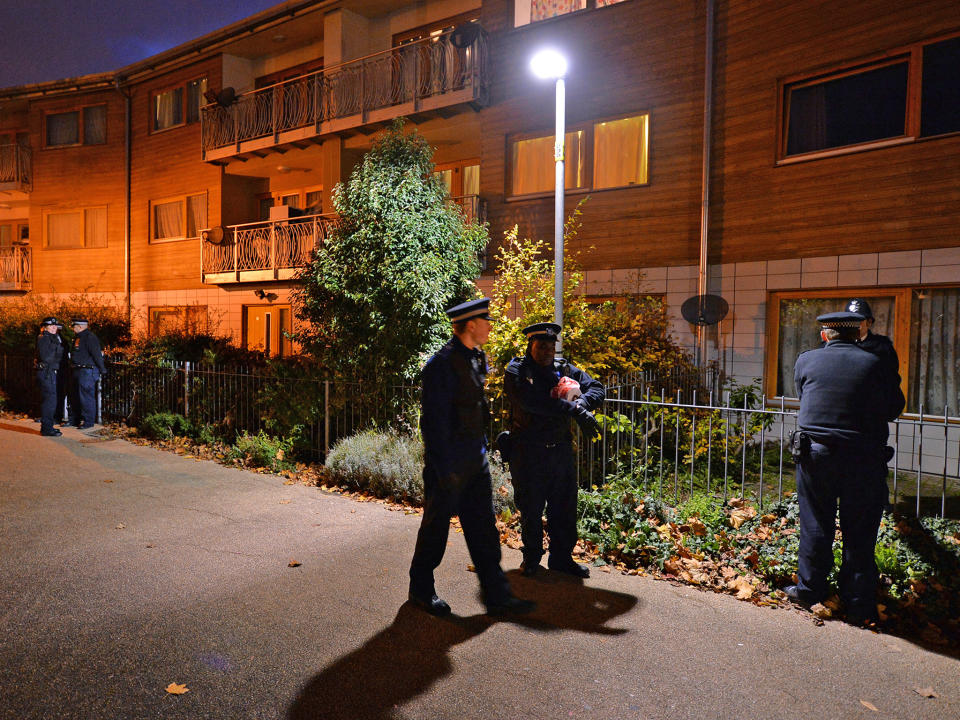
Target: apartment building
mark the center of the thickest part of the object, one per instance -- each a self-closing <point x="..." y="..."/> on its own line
<point x="782" y="157"/>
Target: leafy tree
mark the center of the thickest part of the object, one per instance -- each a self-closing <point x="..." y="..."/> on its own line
<point x="374" y="295"/>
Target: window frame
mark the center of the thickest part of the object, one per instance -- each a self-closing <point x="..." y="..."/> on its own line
<point x="45" y="245"/>
<point x="183" y="313"/>
<point x="151" y="219"/>
<point x="912" y="54"/>
<point x="589" y="149"/>
<point x="184" y="101"/>
<point x="590" y="6"/>
<point x="80" y="112"/>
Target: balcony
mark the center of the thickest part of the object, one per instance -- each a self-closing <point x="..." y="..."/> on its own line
<point x="425" y="77"/>
<point x="15" y="268"/>
<point x="262" y="251"/>
<point x="15" y="168"/>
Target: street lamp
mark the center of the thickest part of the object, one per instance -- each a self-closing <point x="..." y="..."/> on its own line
<point x="548" y="64"/>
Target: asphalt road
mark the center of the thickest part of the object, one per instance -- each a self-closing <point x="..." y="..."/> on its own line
<point x="124" y="569"/>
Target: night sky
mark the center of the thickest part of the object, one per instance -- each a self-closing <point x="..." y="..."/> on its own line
<point x="46" y="40"/>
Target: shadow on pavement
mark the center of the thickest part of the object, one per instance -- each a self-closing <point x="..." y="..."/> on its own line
<point x="406" y="658"/>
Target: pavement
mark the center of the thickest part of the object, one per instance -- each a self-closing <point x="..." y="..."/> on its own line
<point x="124" y="569"/>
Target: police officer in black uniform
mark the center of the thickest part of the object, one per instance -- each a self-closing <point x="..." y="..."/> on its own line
<point x="86" y="364"/>
<point x="49" y="352"/>
<point x="63" y="380"/>
<point x="545" y="392"/>
<point x="847" y="397"/>
<point x="456" y="476"/>
<point x="879" y="345"/>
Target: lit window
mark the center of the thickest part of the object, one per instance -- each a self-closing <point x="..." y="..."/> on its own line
<point x="178" y="105"/>
<point x="620" y="152"/>
<point x="179" y="219"/>
<point x="534" y="169"/>
<point x="528" y="11"/>
<point x="85" y="228"/>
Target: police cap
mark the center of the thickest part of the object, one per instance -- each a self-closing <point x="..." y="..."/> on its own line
<point x="470" y="310"/>
<point x="79" y="321"/>
<point x="49" y="321"/>
<point x="842" y="319"/>
<point x="859" y="305"/>
<point x="542" y="331"/>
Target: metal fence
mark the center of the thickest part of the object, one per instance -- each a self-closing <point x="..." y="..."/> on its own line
<point x="671" y="442"/>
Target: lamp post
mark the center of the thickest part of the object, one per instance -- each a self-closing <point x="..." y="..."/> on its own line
<point x="548" y="64"/>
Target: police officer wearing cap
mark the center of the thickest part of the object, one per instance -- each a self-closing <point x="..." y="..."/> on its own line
<point x="86" y="364"/>
<point x="879" y="345"/>
<point x="49" y="353"/>
<point x="545" y="392"/>
<point x="456" y="476"/>
<point x="847" y="398"/>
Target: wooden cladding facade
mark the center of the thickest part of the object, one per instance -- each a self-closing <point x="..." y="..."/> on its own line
<point x="648" y="57"/>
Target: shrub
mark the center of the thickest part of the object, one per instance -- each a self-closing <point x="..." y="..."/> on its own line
<point x="263" y="450"/>
<point x="165" y="425"/>
<point x="20" y="320"/>
<point x="384" y="464"/>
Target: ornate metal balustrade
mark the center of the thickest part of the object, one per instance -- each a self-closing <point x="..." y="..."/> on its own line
<point x="260" y="251"/>
<point x="419" y="77"/>
<point x="15" y="167"/>
<point x="16" y="268"/>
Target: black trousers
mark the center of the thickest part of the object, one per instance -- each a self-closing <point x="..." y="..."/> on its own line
<point x="855" y="482"/>
<point x="85" y="381"/>
<point x="545" y="478"/>
<point x="472" y="500"/>
<point x="47" y="380"/>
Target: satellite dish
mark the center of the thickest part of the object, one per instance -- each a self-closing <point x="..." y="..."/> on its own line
<point x="226" y="97"/>
<point x="210" y="96"/>
<point x="704" y="309"/>
<point x="214" y="236"/>
<point x="465" y="35"/>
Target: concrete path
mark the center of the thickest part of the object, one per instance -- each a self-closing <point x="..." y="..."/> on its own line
<point x="124" y="569"/>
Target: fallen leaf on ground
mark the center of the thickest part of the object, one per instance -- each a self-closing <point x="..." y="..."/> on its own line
<point x="107" y="480"/>
<point x="926" y="692"/>
<point x="175" y="689"/>
<point x="739" y="516"/>
<point x="294" y="563"/>
<point x="284" y="502"/>
<point x="869" y="705"/>
<point x="471" y="568"/>
<point x="821" y="611"/>
<point x="742" y="587"/>
<point x="120" y="526"/>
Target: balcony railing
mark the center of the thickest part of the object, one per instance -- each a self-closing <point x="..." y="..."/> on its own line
<point x="15" y="167"/>
<point x="16" y="270"/>
<point x="271" y="250"/>
<point x="426" y="75"/>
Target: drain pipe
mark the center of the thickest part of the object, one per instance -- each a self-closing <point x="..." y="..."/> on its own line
<point x="126" y="214"/>
<point x="700" y="346"/>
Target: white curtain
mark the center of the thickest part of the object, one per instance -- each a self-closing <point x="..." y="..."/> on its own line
<point x="65" y="230"/>
<point x="95" y="227"/>
<point x="620" y="152"/>
<point x="95" y="125"/>
<point x="168" y="220"/>
<point x="168" y="109"/>
<point x="935" y="352"/>
<point x="196" y="214"/>
<point x="63" y="129"/>
<point x="534" y="166"/>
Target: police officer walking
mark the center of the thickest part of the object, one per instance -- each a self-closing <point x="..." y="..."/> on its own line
<point x="49" y="352"/>
<point x="545" y="392"/>
<point x="456" y="476"/>
<point x="847" y="397"/>
<point x="86" y="364"/>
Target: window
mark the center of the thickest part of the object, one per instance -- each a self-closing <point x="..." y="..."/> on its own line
<point x="179" y="105"/>
<point x="528" y="11"/>
<point x="179" y="219"/>
<point x="604" y="154"/>
<point x="267" y="328"/>
<point x="171" y="320"/>
<point x="308" y="200"/>
<point x="921" y="322"/>
<point x="911" y="92"/>
<point x="77" y="127"/>
<point x="83" y="228"/>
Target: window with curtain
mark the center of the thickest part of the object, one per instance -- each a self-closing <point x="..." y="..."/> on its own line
<point x="65" y="230"/>
<point x="195" y="99"/>
<point x="196" y="214"/>
<point x="6" y="236"/>
<point x="934" y="379"/>
<point x="168" y="220"/>
<point x="620" y="152"/>
<point x="528" y="11"/>
<point x="532" y="165"/>
<point x="95" y="125"/>
<point x="95" y="227"/>
<point x="63" y="129"/>
<point x="168" y="109"/>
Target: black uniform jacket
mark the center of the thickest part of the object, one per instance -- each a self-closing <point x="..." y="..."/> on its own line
<point x="49" y="352"/>
<point x="454" y="416"/>
<point x="882" y="347"/>
<point x="846" y="396"/>
<point x="86" y="351"/>
<point x="535" y="415"/>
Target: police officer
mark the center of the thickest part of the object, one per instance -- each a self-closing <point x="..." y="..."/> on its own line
<point x="86" y="364"/>
<point x="63" y="380"/>
<point x="847" y="398"/>
<point x="49" y="352"/>
<point x="456" y="476"/>
<point x="879" y="345"/>
<point x="545" y="392"/>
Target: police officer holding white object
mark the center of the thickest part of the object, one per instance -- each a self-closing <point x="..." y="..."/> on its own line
<point x="456" y="476"/>
<point x="49" y="353"/>
<point x="86" y="363"/>
<point x="545" y="393"/>
<point x="847" y="397"/>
